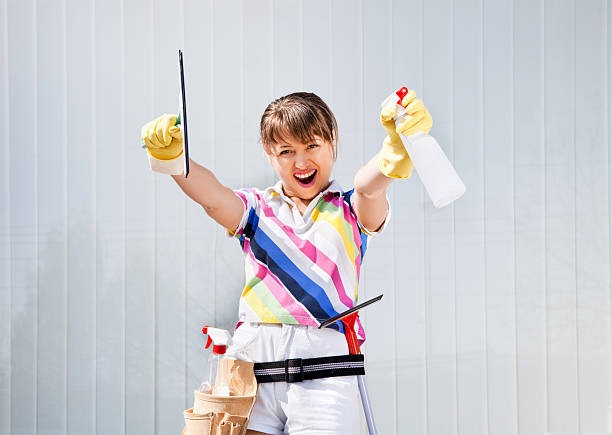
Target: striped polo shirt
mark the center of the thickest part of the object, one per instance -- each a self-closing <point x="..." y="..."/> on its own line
<point x="300" y="269"/>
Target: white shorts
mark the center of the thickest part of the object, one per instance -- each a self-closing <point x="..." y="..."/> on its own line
<point x="318" y="406"/>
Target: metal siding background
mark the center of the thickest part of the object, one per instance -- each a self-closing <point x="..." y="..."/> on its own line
<point x="139" y="340"/>
<point x="529" y="218"/>
<point x="379" y="266"/>
<point x="469" y="153"/>
<point x="81" y="208"/>
<point x="51" y="163"/>
<point x="5" y="247"/>
<point x="592" y="215"/>
<point x="439" y="231"/>
<point x="559" y="104"/>
<point x="23" y="207"/>
<point x="496" y="316"/>
<point x="408" y="204"/>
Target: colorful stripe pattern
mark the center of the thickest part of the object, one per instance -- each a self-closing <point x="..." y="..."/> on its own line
<point x="299" y="269"/>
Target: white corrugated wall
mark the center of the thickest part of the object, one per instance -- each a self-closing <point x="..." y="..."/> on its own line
<point x="496" y="317"/>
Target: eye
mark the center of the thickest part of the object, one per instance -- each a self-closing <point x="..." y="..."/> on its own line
<point x="285" y="152"/>
<point x="313" y="146"/>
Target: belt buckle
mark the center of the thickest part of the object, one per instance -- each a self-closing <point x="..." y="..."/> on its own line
<point x="295" y="362"/>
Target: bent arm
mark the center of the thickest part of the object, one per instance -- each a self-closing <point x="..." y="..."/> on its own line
<point x="370" y="200"/>
<point x="219" y="201"/>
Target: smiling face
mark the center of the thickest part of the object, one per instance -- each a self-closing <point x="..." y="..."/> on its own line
<point x="304" y="168"/>
<point x="300" y="135"/>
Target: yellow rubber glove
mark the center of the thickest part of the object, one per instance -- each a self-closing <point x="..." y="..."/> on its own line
<point x="163" y="138"/>
<point x="393" y="160"/>
<point x="417" y="117"/>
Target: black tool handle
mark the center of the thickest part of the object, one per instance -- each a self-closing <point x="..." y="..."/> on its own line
<point x="350" y="311"/>
<point x="184" y="113"/>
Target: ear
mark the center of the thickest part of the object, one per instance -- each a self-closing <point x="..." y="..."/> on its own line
<point x="335" y="145"/>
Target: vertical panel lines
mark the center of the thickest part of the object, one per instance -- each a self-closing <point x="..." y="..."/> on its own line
<point x="544" y="142"/>
<point x="242" y="92"/>
<point x="331" y="51"/>
<point x="390" y="46"/>
<point x="514" y="228"/>
<point x="301" y="43"/>
<point x="65" y="206"/>
<point x="185" y="240"/>
<point x="393" y="243"/>
<point x="362" y="279"/>
<point x="123" y="219"/>
<point x="213" y="147"/>
<point x="484" y="212"/>
<point x="242" y="89"/>
<point x="9" y="241"/>
<point x="393" y="232"/>
<point x="272" y="74"/>
<point x="271" y="46"/>
<point x="362" y="85"/>
<point x="9" y="228"/>
<point x="425" y="228"/>
<point x="184" y="199"/>
<point x="607" y="136"/>
<point x="153" y="17"/>
<point x="452" y="151"/>
<point x="36" y="208"/>
<point x="94" y="215"/>
<point x="574" y="141"/>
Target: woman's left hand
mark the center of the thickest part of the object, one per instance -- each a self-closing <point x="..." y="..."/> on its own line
<point x="417" y="119"/>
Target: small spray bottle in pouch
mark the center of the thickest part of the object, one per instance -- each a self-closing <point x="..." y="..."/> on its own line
<point x="215" y="382"/>
<point x="435" y="170"/>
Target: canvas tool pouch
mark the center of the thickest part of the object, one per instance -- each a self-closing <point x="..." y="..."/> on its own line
<point x="219" y="415"/>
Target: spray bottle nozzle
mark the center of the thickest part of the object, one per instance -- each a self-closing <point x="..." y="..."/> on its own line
<point x="401" y="93"/>
<point x="219" y="338"/>
<point x="209" y="340"/>
<point x="217" y="381"/>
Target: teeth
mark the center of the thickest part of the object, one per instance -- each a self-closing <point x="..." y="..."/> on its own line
<point x="302" y="176"/>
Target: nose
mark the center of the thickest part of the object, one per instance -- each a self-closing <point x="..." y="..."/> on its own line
<point x="301" y="160"/>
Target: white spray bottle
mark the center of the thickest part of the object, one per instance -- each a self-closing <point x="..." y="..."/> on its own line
<point x="435" y="170"/>
<point x="215" y="382"/>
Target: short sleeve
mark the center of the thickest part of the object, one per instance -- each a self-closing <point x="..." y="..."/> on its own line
<point x="248" y="223"/>
<point x="362" y="228"/>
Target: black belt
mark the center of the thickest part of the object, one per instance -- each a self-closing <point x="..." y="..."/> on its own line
<point x="298" y="369"/>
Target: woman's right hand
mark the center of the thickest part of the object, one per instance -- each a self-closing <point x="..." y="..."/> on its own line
<point x="393" y="160"/>
<point x="162" y="137"/>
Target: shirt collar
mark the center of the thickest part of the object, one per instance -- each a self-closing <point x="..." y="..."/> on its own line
<point x="334" y="186"/>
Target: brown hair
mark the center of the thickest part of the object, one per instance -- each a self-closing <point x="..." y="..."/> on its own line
<point x="301" y="116"/>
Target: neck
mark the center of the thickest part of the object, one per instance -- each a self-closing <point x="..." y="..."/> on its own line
<point x="301" y="203"/>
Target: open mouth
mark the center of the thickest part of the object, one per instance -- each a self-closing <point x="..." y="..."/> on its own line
<point x="306" y="178"/>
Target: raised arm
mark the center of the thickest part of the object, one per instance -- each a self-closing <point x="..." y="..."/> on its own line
<point x="370" y="200"/>
<point x="392" y="161"/>
<point x="164" y="142"/>
<point x="219" y="201"/>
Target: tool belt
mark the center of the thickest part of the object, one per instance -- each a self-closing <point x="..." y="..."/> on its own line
<point x="224" y="415"/>
<point x="302" y="369"/>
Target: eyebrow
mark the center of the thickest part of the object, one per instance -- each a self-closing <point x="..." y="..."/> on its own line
<point x="310" y="142"/>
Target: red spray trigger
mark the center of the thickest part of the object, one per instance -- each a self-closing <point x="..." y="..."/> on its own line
<point x="349" y="332"/>
<point x="209" y="341"/>
<point x="403" y="91"/>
